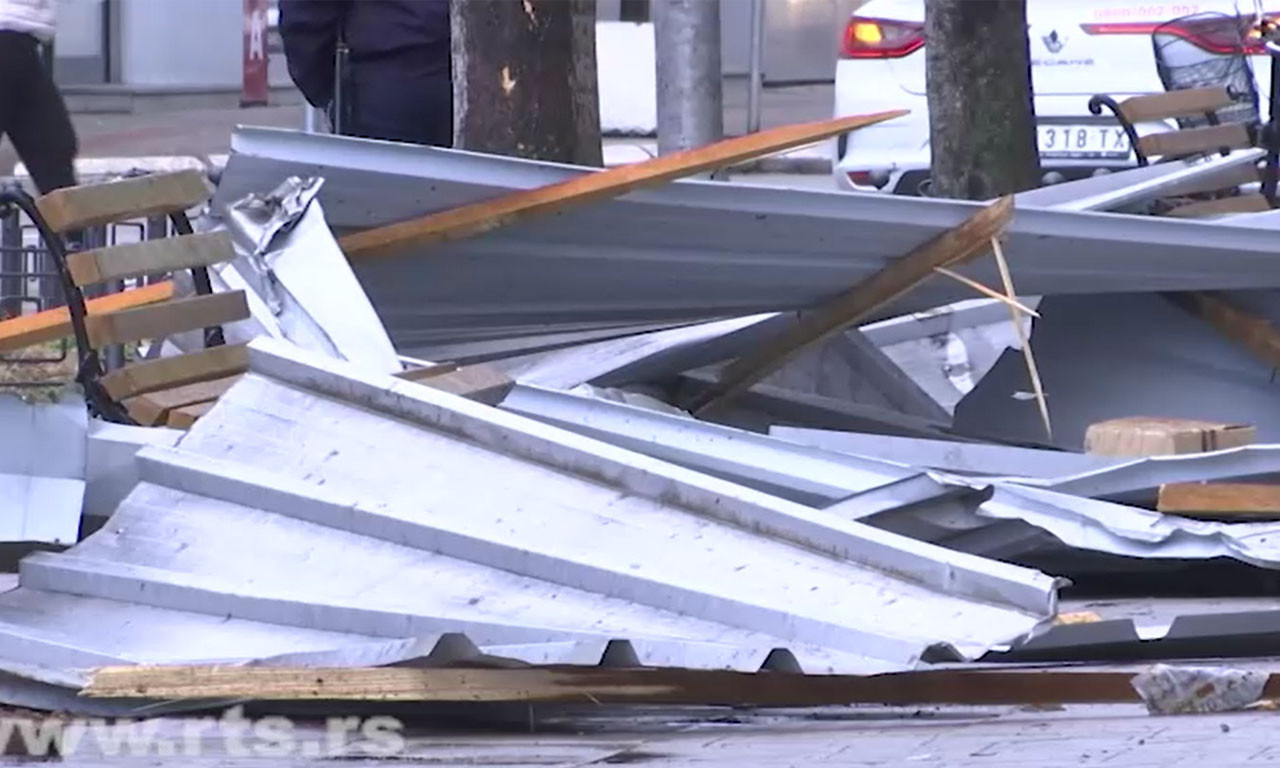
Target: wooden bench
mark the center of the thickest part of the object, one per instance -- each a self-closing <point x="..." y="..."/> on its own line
<point x="172" y="390"/>
<point x="1221" y="195"/>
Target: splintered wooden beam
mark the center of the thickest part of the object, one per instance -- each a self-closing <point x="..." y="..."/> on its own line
<point x="985" y="687"/>
<point x="168" y="372"/>
<point x="153" y="408"/>
<point x="951" y="248"/>
<point x="1220" y="500"/>
<point x="1252" y="332"/>
<point x="53" y="324"/>
<point x="477" y="218"/>
<point x="480" y="382"/>
<point x="90" y="205"/>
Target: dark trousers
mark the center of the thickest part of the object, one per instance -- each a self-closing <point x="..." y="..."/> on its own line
<point x="385" y="99"/>
<point x="33" y="115"/>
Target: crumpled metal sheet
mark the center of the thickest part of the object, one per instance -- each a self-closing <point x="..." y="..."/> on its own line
<point x="300" y="286"/>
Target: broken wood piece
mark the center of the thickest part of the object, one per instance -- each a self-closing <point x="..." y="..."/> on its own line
<point x="149" y="257"/>
<point x="158" y="321"/>
<point x="988" y="292"/>
<point x="427" y="372"/>
<point x="595" y="685"/>
<point x="90" y="205"/>
<point x="1147" y="436"/>
<point x="1252" y="203"/>
<point x="480" y="382"/>
<point x="1254" y="333"/>
<point x="1220" y="500"/>
<point x="153" y="408"/>
<point x="186" y="416"/>
<point x="487" y="215"/>
<point x="53" y="324"/>
<point x="898" y="277"/>
<point x="168" y="372"/>
<point x="1024" y="339"/>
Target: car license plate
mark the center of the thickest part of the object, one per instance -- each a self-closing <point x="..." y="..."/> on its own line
<point x="1108" y="141"/>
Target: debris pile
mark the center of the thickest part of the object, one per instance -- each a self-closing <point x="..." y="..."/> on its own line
<point x="472" y="411"/>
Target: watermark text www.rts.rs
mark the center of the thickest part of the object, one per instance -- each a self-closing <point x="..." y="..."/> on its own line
<point x="231" y="734"/>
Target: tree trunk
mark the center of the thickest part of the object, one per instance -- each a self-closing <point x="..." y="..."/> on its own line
<point x="981" y="116"/>
<point x="524" y="79"/>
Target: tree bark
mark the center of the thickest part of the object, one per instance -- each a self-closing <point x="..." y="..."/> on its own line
<point x="981" y="114"/>
<point x="524" y="79"/>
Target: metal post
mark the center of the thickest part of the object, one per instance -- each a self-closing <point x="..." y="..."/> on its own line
<point x="690" y="88"/>
<point x="12" y="262"/>
<point x="309" y="122"/>
<point x="755" y="68"/>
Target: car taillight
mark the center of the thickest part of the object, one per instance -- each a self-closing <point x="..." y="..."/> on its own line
<point x="868" y="38"/>
<point x="1221" y="34"/>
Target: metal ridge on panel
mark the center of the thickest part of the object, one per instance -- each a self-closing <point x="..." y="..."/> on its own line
<point x="957" y="574"/>
<point x="661" y="255"/>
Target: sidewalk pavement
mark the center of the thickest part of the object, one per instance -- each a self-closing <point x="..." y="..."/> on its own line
<point x="206" y="133"/>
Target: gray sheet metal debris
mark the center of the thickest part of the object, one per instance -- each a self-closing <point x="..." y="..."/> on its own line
<point x="1138" y="481"/>
<point x="1157" y="360"/>
<point x="662" y="254"/>
<point x="1116" y="190"/>
<point x="42" y="469"/>
<point x="323" y="515"/>
<point x="949" y="455"/>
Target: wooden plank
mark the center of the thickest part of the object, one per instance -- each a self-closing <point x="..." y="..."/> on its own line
<point x="168" y="372"/>
<point x="654" y="686"/>
<point x="1191" y="141"/>
<point x="153" y="408"/>
<point x="150" y="257"/>
<point x="54" y="324"/>
<point x="1220" y="500"/>
<point x="168" y="318"/>
<point x="1254" y="203"/>
<point x="1186" y="103"/>
<point x="951" y="248"/>
<point x="1149" y="436"/>
<point x="1252" y="332"/>
<point x="1227" y="178"/>
<point x="186" y="416"/>
<point x="90" y="205"/>
<point x="482" y="383"/>
<point x="983" y="687"/>
<point x="474" y="219"/>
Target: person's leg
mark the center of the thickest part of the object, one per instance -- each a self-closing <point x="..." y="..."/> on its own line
<point x="37" y="120"/>
<point x="393" y="104"/>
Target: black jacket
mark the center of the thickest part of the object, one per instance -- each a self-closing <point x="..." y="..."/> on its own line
<point x="413" y="32"/>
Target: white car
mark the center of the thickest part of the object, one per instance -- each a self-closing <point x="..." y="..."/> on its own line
<point x="1079" y="48"/>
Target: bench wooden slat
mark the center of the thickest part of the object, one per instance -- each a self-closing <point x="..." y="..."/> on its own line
<point x="168" y="372"/>
<point x="150" y="257"/>
<point x="53" y="324"/>
<point x="168" y="318"/>
<point x="1192" y="140"/>
<point x="90" y="205"/>
<point x="1186" y="103"/>
<point x="1239" y="204"/>
<point x="153" y="408"/>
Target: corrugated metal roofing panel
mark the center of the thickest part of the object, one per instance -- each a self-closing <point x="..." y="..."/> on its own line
<point x="700" y="249"/>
